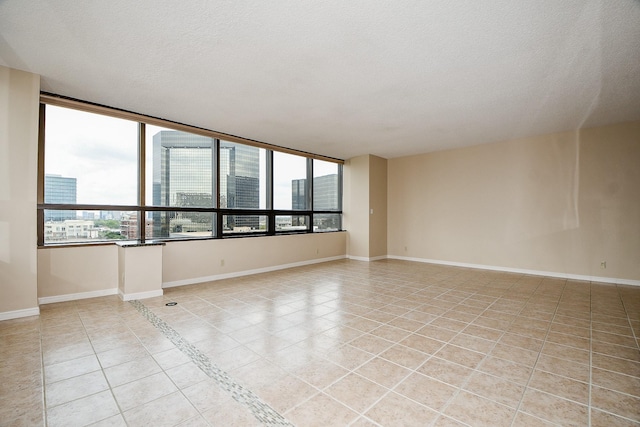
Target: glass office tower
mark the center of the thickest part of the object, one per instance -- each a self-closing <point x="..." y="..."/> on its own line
<point x="60" y="190"/>
<point x="183" y="176"/>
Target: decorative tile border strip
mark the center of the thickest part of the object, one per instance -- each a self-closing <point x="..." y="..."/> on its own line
<point x="261" y="410"/>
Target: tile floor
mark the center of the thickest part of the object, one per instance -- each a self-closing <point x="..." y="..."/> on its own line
<point x="343" y="343"/>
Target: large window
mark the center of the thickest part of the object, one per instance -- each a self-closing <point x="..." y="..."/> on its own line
<point x="107" y="179"/>
<point x="327" y="196"/>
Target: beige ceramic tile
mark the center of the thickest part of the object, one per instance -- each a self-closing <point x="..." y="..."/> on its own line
<point x="144" y="390"/>
<point x="444" y="421"/>
<point x="73" y="388"/>
<point x="186" y="375"/>
<point x="565" y="352"/>
<point x="615" y="381"/>
<point x="70" y="368"/>
<point x="405" y="356"/>
<point x="615" y="403"/>
<point x="416" y="384"/>
<point x="371" y="343"/>
<point x="554" y="409"/>
<point x="526" y="420"/>
<point x="395" y="410"/>
<point x="495" y="388"/>
<point x="83" y="411"/>
<point x="320" y="373"/>
<point x="423" y="344"/>
<point x="383" y="372"/>
<point x="445" y="371"/>
<point x="604" y="419"/>
<point x="320" y="411"/>
<point x="481" y="332"/>
<point x="285" y="392"/>
<point x="247" y="326"/>
<point x="560" y="386"/>
<point x="115" y="421"/>
<point x="473" y="343"/>
<point x="131" y="371"/>
<point x="356" y="392"/>
<point x="437" y="333"/>
<point x="122" y="355"/>
<point x="478" y="411"/>
<point x="506" y="369"/>
<point x="622" y="366"/>
<point x="616" y="350"/>
<point x="470" y="359"/>
<point x="171" y="409"/>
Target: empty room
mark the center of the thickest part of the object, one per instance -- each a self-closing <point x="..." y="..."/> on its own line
<point x="320" y="213"/>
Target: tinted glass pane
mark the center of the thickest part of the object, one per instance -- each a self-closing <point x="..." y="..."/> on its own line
<point x="244" y="224"/>
<point x="89" y="226"/>
<point x="242" y="176"/>
<point x="325" y="186"/>
<point x="179" y="168"/>
<point x="180" y="225"/>
<point x="327" y="222"/>
<point x="90" y="158"/>
<point x="292" y="222"/>
<point x="289" y="181"/>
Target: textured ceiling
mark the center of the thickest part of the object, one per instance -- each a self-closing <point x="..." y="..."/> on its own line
<point x="337" y="78"/>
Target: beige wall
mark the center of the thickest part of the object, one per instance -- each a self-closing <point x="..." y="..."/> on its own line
<point x="77" y="270"/>
<point x="194" y="261"/>
<point x="139" y="271"/>
<point x="558" y="203"/>
<point x="356" y="206"/>
<point x="365" y="189"/>
<point x="19" y="97"/>
<point x="377" y="202"/>
<point x="65" y="271"/>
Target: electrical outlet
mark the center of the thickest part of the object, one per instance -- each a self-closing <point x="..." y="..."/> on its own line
<point x="603" y="264"/>
<point x="222" y="263"/>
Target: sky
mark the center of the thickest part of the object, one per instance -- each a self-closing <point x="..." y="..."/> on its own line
<point x="101" y="153"/>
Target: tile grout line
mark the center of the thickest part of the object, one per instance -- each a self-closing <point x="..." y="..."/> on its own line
<point x="42" y="374"/>
<point x="261" y="410"/>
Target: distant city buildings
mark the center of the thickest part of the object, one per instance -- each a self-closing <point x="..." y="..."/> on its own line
<point x="129" y="226"/>
<point x="59" y="190"/>
<point x="70" y="229"/>
<point x="182" y="177"/>
<point x="325" y="198"/>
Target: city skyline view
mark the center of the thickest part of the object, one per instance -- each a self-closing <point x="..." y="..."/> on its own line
<point x="105" y="162"/>
<point x="93" y="159"/>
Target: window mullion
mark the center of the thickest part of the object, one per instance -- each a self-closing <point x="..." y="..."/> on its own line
<point x="142" y="231"/>
<point x="217" y="225"/>
<point x="271" y="217"/>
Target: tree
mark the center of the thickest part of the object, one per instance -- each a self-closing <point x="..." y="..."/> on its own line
<point x="112" y="235"/>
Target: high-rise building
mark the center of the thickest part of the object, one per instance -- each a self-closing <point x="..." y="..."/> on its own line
<point x="325" y="192"/>
<point x="298" y="194"/>
<point x="239" y="183"/>
<point x="183" y="177"/>
<point x="59" y="189"/>
<point x="325" y="198"/>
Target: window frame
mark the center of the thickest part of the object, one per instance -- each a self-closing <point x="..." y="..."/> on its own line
<point x="142" y="208"/>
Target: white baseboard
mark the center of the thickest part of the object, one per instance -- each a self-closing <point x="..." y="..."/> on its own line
<point x="367" y="259"/>
<point x="80" y="295"/>
<point x="16" y="314"/>
<point x="196" y="280"/>
<point x="523" y="271"/>
<point x="140" y="295"/>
